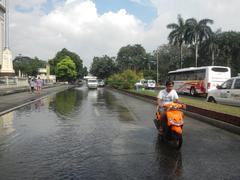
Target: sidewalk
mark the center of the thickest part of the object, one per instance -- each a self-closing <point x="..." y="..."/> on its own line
<point x="11" y="99"/>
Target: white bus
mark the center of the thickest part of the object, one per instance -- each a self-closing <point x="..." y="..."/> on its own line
<point x="199" y="80"/>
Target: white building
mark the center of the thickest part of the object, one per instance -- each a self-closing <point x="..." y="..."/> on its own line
<point x="44" y="74"/>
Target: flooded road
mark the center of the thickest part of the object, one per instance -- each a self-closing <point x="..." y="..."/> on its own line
<point x="100" y="134"/>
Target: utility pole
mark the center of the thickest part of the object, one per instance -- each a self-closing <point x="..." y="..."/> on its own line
<point x="157" y="66"/>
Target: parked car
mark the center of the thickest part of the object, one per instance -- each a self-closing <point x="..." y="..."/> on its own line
<point x="92" y="83"/>
<point x="101" y="83"/>
<point x="150" y="84"/>
<point x="227" y="93"/>
<point x="140" y="84"/>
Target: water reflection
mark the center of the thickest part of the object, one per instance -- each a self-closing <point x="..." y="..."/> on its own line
<point x="169" y="159"/>
<point x="116" y="105"/>
<point x="66" y="102"/>
<point x="6" y="124"/>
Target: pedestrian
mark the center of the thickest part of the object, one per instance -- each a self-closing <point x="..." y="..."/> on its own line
<point x="38" y="85"/>
<point x="32" y="85"/>
<point x="29" y="84"/>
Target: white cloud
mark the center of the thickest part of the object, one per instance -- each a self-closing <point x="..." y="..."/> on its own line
<point x="77" y="26"/>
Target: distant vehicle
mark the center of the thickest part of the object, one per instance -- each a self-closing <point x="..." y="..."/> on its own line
<point x="101" y="83"/>
<point x="227" y="93"/>
<point x="149" y="84"/>
<point x="199" y="80"/>
<point x="92" y="83"/>
<point x="140" y="84"/>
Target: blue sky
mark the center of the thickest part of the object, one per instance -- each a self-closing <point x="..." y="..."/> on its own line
<point x="144" y="11"/>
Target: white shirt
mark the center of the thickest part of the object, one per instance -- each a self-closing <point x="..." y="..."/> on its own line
<point x="167" y="97"/>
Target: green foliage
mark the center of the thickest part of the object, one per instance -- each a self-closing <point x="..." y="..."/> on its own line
<point x="66" y="70"/>
<point x="28" y="66"/>
<point x="125" y="80"/>
<point x="168" y="57"/>
<point x="65" y="102"/>
<point x="103" y="67"/>
<point x="76" y="59"/>
<point x="131" y="57"/>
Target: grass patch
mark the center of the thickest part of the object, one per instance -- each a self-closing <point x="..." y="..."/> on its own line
<point x="231" y="110"/>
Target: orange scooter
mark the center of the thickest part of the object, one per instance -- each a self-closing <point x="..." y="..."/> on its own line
<point x="172" y="123"/>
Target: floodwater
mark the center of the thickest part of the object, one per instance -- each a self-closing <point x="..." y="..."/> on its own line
<point x="100" y="134"/>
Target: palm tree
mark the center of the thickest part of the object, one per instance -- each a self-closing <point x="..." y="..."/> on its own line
<point x="213" y="45"/>
<point x="176" y="36"/>
<point x="196" y="32"/>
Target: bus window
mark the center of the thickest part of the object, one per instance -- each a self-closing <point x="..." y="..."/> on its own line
<point x="191" y="76"/>
<point x="219" y="69"/>
<point x="200" y="74"/>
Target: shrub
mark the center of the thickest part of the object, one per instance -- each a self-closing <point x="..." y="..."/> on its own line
<point x="125" y="80"/>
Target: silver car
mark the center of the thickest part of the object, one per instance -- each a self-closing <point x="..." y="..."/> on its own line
<point x="227" y="93"/>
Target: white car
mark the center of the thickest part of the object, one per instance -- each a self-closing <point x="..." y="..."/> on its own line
<point x="150" y="84"/>
<point x="101" y="83"/>
<point x="92" y="83"/>
<point x="140" y="84"/>
<point x="227" y="93"/>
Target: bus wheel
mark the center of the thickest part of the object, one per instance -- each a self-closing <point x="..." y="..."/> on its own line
<point x="193" y="91"/>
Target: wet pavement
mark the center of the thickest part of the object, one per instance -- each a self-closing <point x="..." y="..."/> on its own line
<point x="100" y="134"/>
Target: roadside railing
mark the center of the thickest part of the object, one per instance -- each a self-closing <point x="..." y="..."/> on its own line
<point x="11" y="82"/>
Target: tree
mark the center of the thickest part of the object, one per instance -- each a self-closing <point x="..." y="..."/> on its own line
<point x="66" y="70"/>
<point x="76" y="59"/>
<point x="177" y="35"/>
<point x="131" y="57"/>
<point x="196" y="32"/>
<point x="229" y="51"/>
<point x="28" y="66"/>
<point x="125" y="79"/>
<point x="209" y="49"/>
<point x="103" y="67"/>
<point x="168" y="56"/>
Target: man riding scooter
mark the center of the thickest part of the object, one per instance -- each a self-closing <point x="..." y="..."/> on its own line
<point x="165" y="96"/>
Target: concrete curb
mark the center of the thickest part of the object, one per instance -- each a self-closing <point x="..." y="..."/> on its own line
<point x="216" y="122"/>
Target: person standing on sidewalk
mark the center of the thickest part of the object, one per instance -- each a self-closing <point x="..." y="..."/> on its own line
<point x="32" y="85"/>
<point x="29" y="84"/>
<point x="39" y="85"/>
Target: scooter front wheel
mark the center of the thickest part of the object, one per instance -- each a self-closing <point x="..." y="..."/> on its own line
<point x="179" y="141"/>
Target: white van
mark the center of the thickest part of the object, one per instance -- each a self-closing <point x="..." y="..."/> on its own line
<point x="227" y="93"/>
<point x="92" y="83"/>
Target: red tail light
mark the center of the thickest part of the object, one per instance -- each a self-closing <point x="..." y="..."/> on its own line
<point x="208" y="85"/>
